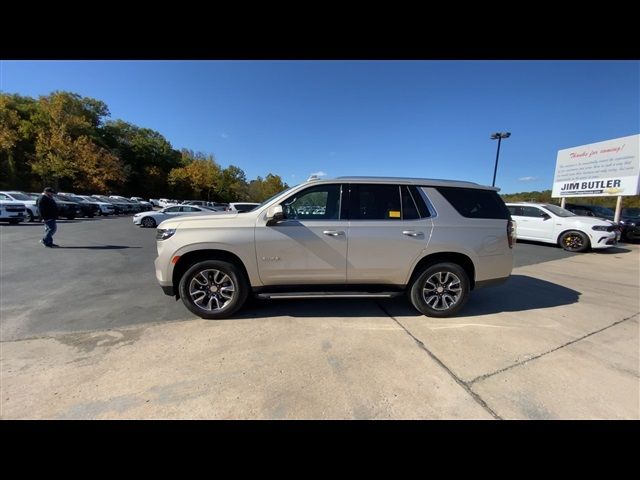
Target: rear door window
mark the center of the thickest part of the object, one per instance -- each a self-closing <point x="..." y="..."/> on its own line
<point x="375" y="202"/>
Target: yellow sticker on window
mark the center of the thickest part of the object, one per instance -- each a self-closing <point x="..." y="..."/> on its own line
<point x="394" y="214"/>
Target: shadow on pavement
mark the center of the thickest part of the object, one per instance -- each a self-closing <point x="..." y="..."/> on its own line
<point x="100" y="247"/>
<point x="609" y="251"/>
<point x="518" y="294"/>
<point x="301" y="308"/>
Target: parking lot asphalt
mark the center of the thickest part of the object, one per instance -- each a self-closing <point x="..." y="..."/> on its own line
<point x="87" y="333"/>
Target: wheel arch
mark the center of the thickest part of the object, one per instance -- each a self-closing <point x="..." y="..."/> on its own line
<point x="454" y="257"/>
<point x="571" y="230"/>
<point x="190" y="258"/>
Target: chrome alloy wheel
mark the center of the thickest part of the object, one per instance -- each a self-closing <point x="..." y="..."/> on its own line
<point x="442" y="290"/>
<point x="211" y="290"/>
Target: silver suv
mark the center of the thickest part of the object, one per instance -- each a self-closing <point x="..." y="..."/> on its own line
<point x="434" y="240"/>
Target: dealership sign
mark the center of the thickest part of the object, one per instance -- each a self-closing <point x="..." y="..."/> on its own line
<point x="602" y="169"/>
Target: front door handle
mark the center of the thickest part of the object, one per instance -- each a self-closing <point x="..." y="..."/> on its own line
<point x="333" y="233"/>
<point x="411" y="233"/>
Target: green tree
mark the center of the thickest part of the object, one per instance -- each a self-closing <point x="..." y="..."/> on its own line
<point x="261" y="189"/>
<point x="147" y="155"/>
<point x="272" y="185"/>
<point x="18" y="134"/>
<point x="232" y="185"/>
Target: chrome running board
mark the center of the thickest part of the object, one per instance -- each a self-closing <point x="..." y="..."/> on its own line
<point x="328" y="295"/>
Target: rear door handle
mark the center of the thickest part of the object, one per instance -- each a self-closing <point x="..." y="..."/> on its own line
<point x="333" y="233"/>
<point x="411" y="233"/>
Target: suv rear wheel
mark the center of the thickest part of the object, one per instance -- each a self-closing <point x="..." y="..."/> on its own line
<point x="213" y="289"/>
<point x="441" y="290"/>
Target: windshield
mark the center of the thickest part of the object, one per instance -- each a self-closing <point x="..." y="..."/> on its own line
<point x="271" y="198"/>
<point x="560" y="212"/>
<point x="632" y="212"/>
<point x="20" y="196"/>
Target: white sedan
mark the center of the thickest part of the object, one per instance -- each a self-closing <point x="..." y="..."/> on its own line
<point x="153" y="219"/>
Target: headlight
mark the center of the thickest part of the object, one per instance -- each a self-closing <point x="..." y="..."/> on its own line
<point x="600" y="228"/>
<point x="164" y="233"/>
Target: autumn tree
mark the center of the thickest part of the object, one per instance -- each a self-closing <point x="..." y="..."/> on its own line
<point x="66" y="140"/>
<point x="66" y="126"/>
<point x="9" y="136"/>
<point x="198" y="177"/>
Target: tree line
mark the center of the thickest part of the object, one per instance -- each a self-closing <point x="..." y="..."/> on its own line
<point x="66" y="141"/>
<point x="545" y="197"/>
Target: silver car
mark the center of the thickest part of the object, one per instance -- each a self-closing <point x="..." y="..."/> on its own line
<point x="434" y="240"/>
<point x="154" y="218"/>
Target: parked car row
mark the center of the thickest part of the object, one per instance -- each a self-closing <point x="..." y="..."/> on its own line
<point x="12" y="211"/>
<point x="153" y="219"/>
<point x="69" y="205"/>
<point x="629" y="224"/>
<point x="190" y="207"/>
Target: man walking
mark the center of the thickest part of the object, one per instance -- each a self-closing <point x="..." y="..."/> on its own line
<point x="48" y="213"/>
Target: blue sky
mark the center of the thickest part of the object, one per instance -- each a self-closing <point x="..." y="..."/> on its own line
<point x="393" y="118"/>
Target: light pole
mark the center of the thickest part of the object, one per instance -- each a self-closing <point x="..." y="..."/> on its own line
<point x="499" y="136"/>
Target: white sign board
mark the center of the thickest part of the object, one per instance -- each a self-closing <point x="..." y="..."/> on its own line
<point x="602" y="169"/>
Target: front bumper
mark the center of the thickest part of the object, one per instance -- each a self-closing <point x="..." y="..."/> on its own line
<point x="604" y="239"/>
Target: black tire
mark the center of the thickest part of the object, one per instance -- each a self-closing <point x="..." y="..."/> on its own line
<point x="441" y="290"/>
<point x="574" y="241"/>
<point x="29" y="217"/>
<point x="148" y="222"/>
<point x="228" y="276"/>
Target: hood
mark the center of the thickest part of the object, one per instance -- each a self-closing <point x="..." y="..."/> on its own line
<point x="200" y="220"/>
<point x="591" y="221"/>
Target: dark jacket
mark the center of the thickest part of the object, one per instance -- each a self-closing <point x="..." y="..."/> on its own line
<point x="48" y="208"/>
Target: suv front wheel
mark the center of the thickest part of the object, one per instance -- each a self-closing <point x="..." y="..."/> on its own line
<point x="213" y="289"/>
<point x="441" y="290"/>
<point x="574" y="241"/>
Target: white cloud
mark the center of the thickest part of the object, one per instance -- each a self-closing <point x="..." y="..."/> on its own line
<point x="319" y="174"/>
<point x="527" y="179"/>
<point x="224" y="135"/>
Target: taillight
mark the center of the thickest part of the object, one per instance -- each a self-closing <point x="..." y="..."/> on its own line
<point x="511" y="233"/>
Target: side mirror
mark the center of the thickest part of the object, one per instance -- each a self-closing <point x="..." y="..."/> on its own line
<point x="546" y="216"/>
<point x="274" y="215"/>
